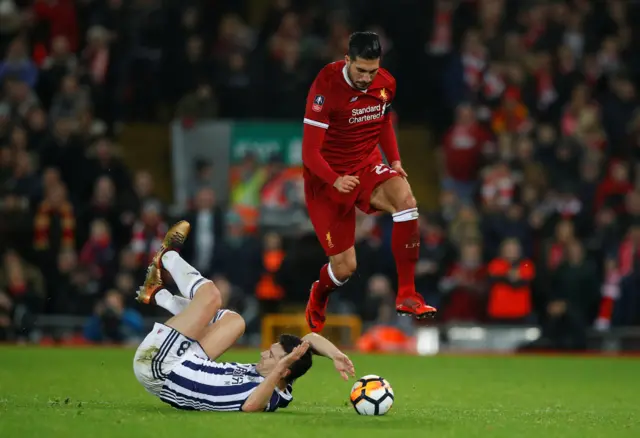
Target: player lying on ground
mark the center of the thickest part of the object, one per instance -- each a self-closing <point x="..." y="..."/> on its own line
<point x="346" y="117"/>
<point x="176" y="361"/>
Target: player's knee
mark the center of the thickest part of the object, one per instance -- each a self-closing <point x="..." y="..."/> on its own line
<point x="405" y="201"/>
<point x="344" y="268"/>
<point x="236" y="322"/>
<point x="209" y="295"/>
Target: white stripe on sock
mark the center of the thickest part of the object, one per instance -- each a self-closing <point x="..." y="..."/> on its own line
<point x="186" y="277"/>
<point x="410" y="214"/>
<point x="333" y="277"/>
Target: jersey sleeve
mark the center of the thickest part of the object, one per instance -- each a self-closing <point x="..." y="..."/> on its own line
<point x="319" y="103"/>
<point x="316" y="122"/>
<point x="280" y="399"/>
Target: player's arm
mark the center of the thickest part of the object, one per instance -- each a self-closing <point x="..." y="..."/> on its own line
<point x="316" y="123"/>
<point x="312" y="139"/>
<point x="260" y="397"/>
<point x="389" y="142"/>
<point x="323" y="347"/>
<point x="258" y="400"/>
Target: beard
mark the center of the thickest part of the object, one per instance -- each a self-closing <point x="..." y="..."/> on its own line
<point x="360" y="85"/>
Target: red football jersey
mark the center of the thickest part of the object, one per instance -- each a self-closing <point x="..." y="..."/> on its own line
<point x="353" y="118"/>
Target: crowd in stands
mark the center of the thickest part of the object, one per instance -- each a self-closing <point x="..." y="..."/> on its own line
<point x="533" y="103"/>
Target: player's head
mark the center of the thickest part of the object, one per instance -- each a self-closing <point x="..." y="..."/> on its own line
<point x="363" y="60"/>
<point x="285" y="345"/>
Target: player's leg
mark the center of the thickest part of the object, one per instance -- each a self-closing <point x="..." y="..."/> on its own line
<point x="223" y="331"/>
<point x="202" y="308"/>
<point x="205" y="297"/>
<point x="222" y="334"/>
<point x="334" y="225"/>
<point x="174" y="304"/>
<point x="333" y="274"/>
<point x="394" y="196"/>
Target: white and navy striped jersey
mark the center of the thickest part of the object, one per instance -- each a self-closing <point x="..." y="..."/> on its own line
<point x="204" y="385"/>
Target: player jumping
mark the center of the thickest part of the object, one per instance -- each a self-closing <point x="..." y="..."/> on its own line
<point x="176" y="361"/>
<point x="346" y="117"/>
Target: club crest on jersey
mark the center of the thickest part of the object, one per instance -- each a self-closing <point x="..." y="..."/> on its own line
<point x="383" y="95"/>
<point x="318" y="103"/>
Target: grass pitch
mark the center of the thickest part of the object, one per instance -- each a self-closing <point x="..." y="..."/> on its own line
<point x="86" y="393"/>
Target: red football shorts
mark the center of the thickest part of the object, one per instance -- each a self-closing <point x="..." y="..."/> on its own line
<point x="333" y="214"/>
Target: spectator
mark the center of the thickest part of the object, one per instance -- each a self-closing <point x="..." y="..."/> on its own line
<point x="25" y="289"/>
<point x="105" y="161"/>
<point x="55" y="221"/>
<point x="510" y="276"/>
<point x="60" y="63"/>
<point x="204" y="175"/>
<point x="148" y="232"/>
<point x="465" y="286"/>
<point x="613" y="188"/>
<point x="464" y="146"/>
<point x="466" y="226"/>
<point x="207" y="226"/>
<point x="238" y="245"/>
<point x="61" y="20"/>
<point x="17" y="64"/>
<point x="112" y="322"/>
<point x="571" y="300"/>
<point x="98" y="252"/>
<point x="70" y="100"/>
<point x="269" y="293"/>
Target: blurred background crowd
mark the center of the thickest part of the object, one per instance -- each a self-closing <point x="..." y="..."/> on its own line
<point x="533" y="104"/>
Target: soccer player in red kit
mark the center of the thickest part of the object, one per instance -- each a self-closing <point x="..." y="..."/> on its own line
<point x="346" y="118"/>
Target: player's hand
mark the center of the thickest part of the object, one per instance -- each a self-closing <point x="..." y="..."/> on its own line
<point x="397" y="166"/>
<point x="295" y="354"/>
<point x="345" y="184"/>
<point x="344" y="366"/>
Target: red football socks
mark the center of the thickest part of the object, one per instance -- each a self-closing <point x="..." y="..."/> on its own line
<point x="327" y="284"/>
<point x="405" y="245"/>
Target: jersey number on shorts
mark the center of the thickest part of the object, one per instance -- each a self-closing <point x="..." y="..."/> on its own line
<point x="382" y="168"/>
<point x="184" y="346"/>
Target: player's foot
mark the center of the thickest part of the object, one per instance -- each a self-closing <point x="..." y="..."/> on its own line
<point x="316" y="309"/>
<point x="415" y="306"/>
<point x="152" y="285"/>
<point x="173" y="241"/>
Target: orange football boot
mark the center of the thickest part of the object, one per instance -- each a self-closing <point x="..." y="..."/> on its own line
<point x="152" y="284"/>
<point x="173" y="241"/>
<point x="415" y="306"/>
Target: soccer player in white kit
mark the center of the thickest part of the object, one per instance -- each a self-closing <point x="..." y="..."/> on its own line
<point x="176" y="361"/>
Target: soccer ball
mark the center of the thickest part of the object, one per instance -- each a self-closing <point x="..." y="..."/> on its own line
<point x="372" y="395"/>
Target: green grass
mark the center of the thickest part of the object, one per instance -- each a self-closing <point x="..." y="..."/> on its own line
<point x="93" y="393"/>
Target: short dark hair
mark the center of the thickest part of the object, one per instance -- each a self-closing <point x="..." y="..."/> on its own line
<point x="302" y="365"/>
<point x="365" y="45"/>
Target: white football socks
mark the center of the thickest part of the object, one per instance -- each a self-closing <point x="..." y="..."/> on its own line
<point x="173" y="303"/>
<point x="187" y="278"/>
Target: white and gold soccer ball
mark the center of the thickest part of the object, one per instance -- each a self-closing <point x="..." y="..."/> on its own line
<point x="372" y="395"/>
